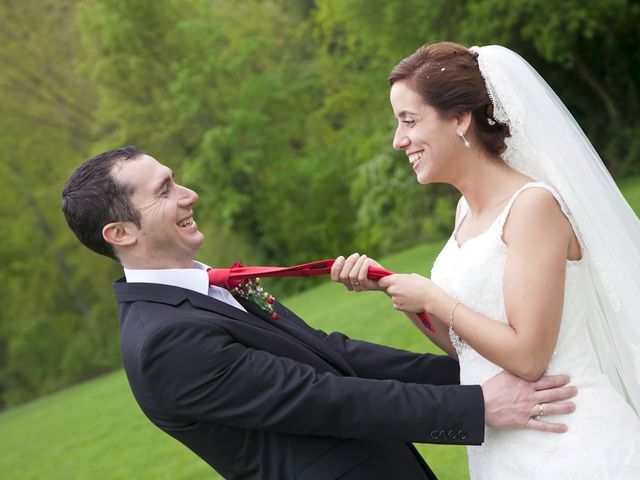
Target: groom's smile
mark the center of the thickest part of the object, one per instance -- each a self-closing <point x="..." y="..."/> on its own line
<point x="168" y="234"/>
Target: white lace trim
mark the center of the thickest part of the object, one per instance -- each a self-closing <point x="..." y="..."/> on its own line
<point x="508" y="110"/>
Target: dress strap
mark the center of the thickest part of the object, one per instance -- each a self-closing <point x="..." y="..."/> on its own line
<point x="505" y="214"/>
<point x="461" y="213"/>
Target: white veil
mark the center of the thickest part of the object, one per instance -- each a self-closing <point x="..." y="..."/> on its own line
<point x="548" y="145"/>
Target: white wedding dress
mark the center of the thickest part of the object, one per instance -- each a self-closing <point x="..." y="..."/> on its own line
<point x="603" y="440"/>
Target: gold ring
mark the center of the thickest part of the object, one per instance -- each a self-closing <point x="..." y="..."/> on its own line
<point x="540" y="410"/>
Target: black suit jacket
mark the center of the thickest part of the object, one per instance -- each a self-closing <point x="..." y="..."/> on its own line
<point x="258" y="398"/>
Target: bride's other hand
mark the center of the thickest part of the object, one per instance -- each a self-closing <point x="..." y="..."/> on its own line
<point x="352" y="272"/>
<point x="413" y="293"/>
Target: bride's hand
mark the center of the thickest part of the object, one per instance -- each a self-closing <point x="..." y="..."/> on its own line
<point x="412" y="292"/>
<point x="352" y="272"/>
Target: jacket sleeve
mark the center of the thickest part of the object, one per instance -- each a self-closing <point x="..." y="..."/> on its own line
<point x="372" y="360"/>
<point x="200" y="372"/>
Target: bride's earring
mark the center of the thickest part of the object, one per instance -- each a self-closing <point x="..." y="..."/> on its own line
<point x="466" y="142"/>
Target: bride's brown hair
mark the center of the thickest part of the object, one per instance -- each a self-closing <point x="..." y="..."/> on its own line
<point x="446" y="75"/>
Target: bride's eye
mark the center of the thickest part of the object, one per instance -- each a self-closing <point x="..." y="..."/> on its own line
<point x="409" y="122"/>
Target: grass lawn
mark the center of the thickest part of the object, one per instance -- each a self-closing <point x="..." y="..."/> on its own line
<point x="96" y="431"/>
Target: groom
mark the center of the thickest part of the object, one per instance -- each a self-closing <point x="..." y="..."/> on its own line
<point x="263" y="398"/>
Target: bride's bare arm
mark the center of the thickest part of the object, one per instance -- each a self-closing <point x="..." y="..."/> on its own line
<point x="540" y="239"/>
<point x="441" y="335"/>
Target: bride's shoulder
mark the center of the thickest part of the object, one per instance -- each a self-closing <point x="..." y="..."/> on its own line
<point x="536" y="200"/>
<point x="539" y="193"/>
<point x="536" y="205"/>
<point x="538" y="217"/>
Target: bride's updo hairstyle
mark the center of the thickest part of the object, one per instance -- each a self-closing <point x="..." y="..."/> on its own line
<point x="446" y="75"/>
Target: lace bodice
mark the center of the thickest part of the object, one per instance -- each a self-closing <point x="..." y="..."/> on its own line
<point x="473" y="274"/>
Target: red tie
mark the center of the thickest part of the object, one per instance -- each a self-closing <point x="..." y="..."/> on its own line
<point x="231" y="277"/>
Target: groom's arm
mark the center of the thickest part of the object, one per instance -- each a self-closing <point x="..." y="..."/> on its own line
<point x="371" y="360"/>
<point x="509" y="401"/>
<point x="198" y="371"/>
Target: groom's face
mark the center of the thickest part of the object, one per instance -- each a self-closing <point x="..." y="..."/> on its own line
<point x="168" y="236"/>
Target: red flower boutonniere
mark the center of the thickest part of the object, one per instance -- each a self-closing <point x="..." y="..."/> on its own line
<point x="253" y="291"/>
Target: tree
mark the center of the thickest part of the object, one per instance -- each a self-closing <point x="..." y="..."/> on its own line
<point x="275" y="111"/>
<point x="50" y="308"/>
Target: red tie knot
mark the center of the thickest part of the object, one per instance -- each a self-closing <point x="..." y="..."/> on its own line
<point x="220" y="276"/>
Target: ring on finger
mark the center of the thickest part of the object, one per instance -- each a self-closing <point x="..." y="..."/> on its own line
<point x="541" y="410"/>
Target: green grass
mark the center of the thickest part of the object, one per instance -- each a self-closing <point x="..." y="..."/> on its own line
<point x="96" y="431"/>
<point x="90" y="431"/>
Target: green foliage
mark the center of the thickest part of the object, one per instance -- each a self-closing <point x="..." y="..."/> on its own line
<point x="388" y="197"/>
<point x="275" y="111"/>
<point x="50" y="300"/>
<point x="631" y="190"/>
<point x="586" y="51"/>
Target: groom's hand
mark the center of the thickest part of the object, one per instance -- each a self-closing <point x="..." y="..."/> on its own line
<point x="511" y="402"/>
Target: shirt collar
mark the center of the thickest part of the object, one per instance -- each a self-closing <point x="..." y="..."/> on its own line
<point x="195" y="279"/>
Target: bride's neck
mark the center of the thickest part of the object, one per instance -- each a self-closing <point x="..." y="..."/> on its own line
<point x="488" y="183"/>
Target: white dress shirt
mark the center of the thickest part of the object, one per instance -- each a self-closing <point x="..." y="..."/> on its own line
<point x="195" y="279"/>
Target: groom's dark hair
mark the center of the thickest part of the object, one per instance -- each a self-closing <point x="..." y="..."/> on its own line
<point x="92" y="198"/>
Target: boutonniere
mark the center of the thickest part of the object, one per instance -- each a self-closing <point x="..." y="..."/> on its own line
<point x="252" y="290"/>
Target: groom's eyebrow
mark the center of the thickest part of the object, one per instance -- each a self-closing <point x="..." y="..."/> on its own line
<point x="162" y="182"/>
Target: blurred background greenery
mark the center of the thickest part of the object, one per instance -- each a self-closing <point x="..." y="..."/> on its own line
<point x="275" y="111"/>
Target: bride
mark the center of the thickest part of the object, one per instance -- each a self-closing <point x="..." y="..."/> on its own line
<point x="542" y="271"/>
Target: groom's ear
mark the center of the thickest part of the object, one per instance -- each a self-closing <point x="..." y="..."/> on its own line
<point x="119" y="234"/>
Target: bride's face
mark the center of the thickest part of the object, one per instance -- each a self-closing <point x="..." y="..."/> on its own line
<point x="429" y="141"/>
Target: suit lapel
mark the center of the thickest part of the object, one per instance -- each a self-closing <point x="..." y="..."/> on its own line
<point x="255" y="316"/>
<point x="305" y="336"/>
<point x="207" y="303"/>
<point x="152" y="292"/>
